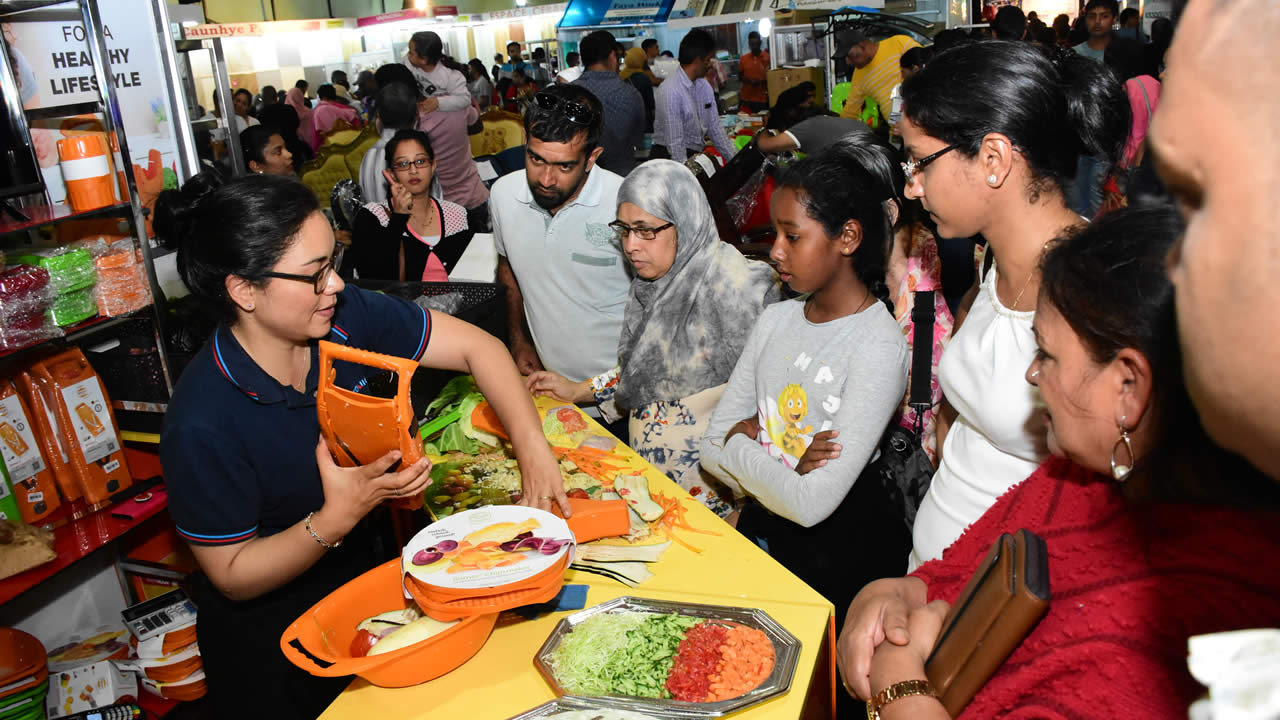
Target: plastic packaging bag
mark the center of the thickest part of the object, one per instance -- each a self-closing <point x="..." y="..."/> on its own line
<point x="122" y="285"/>
<point x="25" y="295"/>
<point x="447" y="303"/>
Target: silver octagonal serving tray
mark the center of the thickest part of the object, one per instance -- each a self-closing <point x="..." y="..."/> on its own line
<point x="786" y="648"/>
<point x="570" y="703"/>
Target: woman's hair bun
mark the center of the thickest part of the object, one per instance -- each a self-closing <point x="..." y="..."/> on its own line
<point x="174" y="209"/>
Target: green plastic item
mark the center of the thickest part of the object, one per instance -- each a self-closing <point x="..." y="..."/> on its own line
<point x="68" y="270"/>
<point x="73" y="307"/>
<point x="871" y="113"/>
<point x="8" y="506"/>
<point x="742" y="141"/>
<point x="839" y="94"/>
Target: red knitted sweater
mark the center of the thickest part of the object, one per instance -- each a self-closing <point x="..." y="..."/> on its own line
<point x="1130" y="584"/>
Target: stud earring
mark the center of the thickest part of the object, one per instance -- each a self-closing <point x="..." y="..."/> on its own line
<point x="992" y="179"/>
<point x="1120" y="471"/>
<point x="250" y="308"/>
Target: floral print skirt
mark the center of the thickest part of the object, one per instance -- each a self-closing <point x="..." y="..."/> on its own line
<point x="667" y="434"/>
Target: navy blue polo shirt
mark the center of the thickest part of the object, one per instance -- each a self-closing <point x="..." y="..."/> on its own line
<point x="238" y="448"/>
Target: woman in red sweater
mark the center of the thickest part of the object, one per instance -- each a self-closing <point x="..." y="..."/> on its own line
<point x="1153" y="533"/>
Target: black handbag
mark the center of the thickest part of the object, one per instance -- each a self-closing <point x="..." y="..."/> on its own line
<point x="903" y="467"/>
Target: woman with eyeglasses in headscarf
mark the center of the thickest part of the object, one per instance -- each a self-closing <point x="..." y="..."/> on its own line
<point x="692" y="304"/>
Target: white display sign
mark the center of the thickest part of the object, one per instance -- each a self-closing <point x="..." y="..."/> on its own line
<point x="18" y="442"/>
<point x="53" y="67"/>
<point x="90" y="419"/>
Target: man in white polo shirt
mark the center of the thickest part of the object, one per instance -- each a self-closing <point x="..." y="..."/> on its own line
<point x="564" y="272"/>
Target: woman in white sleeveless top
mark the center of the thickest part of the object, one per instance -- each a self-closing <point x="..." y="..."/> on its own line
<point x="992" y="132"/>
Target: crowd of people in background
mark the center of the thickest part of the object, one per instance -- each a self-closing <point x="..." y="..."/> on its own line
<point x="1075" y="376"/>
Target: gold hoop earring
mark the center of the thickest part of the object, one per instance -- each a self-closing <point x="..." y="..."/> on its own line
<point x="1120" y="471"/>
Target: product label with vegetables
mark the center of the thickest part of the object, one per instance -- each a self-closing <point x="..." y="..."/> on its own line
<point x="488" y="547"/>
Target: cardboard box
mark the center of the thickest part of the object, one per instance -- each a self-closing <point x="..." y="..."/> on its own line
<point x="782" y="78"/>
<point x="81" y="674"/>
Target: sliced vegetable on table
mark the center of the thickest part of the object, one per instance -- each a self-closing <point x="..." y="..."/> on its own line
<point x="662" y="656"/>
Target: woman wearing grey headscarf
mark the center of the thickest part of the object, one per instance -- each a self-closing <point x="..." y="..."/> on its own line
<point x="693" y="302"/>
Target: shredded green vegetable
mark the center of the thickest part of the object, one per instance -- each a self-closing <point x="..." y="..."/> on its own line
<point x="627" y="653"/>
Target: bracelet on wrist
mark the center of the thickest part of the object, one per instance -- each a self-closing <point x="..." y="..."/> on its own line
<point x="897" y="691"/>
<point x="314" y="536"/>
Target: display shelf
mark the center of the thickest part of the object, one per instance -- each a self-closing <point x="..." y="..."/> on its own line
<point x="46" y="214"/>
<point x="57" y="111"/>
<point x="12" y="7"/>
<point x="75" y="541"/>
<point x="80" y="329"/>
<point x="151" y="407"/>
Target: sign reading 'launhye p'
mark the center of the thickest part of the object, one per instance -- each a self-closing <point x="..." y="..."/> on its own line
<point x="75" y="67"/>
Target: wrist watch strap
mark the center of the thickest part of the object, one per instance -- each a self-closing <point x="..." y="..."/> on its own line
<point x="897" y="691"/>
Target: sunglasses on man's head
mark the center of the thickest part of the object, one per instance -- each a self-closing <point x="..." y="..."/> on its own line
<point x="574" y="112"/>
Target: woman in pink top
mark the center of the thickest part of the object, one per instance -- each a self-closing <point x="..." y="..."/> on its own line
<point x="1144" y="96"/>
<point x="306" y="130"/>
<point x="329" y="110"/>
<point x="412" y="236"/>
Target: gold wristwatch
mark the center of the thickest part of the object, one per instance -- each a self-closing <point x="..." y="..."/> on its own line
<point x="897" y="691"/>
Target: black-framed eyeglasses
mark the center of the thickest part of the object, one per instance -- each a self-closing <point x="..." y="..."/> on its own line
<point x="574" y="112"/>
<point x="911" y="167"/>
<point x="404" y="164"/>
<point x="644" y="233"/>
<point x="320" y="278"/>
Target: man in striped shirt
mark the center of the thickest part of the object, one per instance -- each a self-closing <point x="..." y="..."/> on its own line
<point x="683" y="118"/>
<point x="876" y="68"/>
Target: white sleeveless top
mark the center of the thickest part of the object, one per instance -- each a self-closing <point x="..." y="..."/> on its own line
<point x="999" y="438"/>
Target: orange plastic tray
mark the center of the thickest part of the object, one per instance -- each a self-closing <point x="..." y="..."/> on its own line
<point x="21" y="654"/>
<point x="551" y="575"/>
<point x="174" y="672"/>
<point x="326" y="630"/>
<point x="450" y="604"/>
<point x="360" y="428"/>
<point x="31" y="681"/>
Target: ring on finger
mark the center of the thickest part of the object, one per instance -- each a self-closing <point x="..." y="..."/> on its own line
<point x="547" y="497"/>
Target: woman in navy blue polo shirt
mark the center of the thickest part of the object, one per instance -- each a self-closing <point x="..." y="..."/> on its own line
<point x="274" y="523"/>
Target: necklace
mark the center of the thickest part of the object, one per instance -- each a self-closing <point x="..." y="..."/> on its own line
<point x="1030" y="275"/>
<point x="862" y="305"/>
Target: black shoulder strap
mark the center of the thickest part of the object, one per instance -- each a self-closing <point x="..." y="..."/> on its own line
<point x="922" y="315"/>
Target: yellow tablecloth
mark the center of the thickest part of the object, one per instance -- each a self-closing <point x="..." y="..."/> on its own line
<point x="501" y="681"/>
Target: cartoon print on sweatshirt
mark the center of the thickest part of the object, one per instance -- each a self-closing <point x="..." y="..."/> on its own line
<point x="783" y="419"/>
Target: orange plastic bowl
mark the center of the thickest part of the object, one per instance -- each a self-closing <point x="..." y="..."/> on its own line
<point x="324" y="633"/>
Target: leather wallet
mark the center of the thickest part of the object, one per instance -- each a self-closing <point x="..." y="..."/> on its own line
<point x="999" y="606"/>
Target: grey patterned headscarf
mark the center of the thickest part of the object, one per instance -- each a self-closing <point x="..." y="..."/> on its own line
<point x="683" y="332"/>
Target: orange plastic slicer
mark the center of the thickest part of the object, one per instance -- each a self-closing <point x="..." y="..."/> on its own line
<point x="595" y="519"/>
<point x="360" y="428"/>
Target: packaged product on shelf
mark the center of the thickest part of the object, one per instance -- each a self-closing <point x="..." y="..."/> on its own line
<point x="34" y="487"/>
<point x="81" y="674"/>
<point x="85" y="419"/>
<point x="72" y="276"/>
<point x="53" y="446"/>
<point x="8" y="503"/>
<point x="122" y="283"/>
<point x="25" y="295"/>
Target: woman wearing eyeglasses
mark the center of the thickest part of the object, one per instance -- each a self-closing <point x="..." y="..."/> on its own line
<point x="273" y="522"/>
<point x="412" y="236"/>
<point x="692" y="304"/>
<point x="991" y="133"/>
